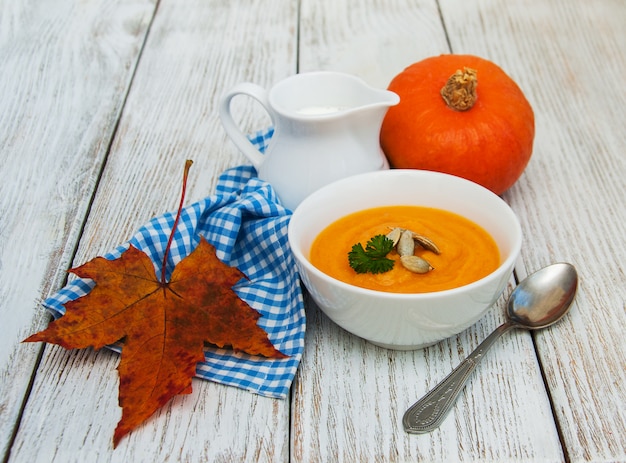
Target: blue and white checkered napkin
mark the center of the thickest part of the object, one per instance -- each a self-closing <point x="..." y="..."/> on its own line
<point x="248" y="228"/>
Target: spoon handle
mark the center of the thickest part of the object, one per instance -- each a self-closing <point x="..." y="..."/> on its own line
<point x="429" y="412"/>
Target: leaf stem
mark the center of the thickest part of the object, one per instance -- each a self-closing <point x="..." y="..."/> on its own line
<point x="188" y="164"/>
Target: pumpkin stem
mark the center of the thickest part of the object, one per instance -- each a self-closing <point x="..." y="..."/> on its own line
<point x="459" y="92"/>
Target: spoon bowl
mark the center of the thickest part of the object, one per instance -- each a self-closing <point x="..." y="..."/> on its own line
<point x="539" y="301"/>
<point x="544" y="297"/>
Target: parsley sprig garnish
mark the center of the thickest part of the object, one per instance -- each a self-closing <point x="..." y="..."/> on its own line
<point x="373" y="258"/>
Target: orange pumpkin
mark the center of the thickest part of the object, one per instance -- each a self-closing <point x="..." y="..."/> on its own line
<point x="462" y="115"/>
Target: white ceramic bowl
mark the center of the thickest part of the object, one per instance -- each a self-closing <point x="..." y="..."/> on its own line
<point x="404" y="321"/>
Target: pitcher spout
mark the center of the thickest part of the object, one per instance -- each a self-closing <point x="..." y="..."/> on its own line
<point x="325" y="94"/>
<point x="386" y="98"/>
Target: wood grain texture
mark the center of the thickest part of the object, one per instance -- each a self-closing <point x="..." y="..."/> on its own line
<point x="567" y="55"/>
<point x="354" y="394"/>
<point x="374" y="40"/>
<point x="77" y="413"/>
<point x="195" y="51"/>
<point x="65" y="67"/>
<point x="65" y="115"/>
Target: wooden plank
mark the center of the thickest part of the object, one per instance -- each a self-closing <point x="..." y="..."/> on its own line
<point x="195" y="51"/>
<point x="567" y="56"/>
<point x="65" y="67"/>
<point x="73" y="419"/>
<point x="374" y="40"/>
<point x="350" y="395"/>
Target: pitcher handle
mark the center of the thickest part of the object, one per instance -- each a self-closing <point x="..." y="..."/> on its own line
<point x="232" y="129"/>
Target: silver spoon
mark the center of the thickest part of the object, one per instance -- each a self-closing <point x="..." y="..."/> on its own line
<point x="542" y="299"/>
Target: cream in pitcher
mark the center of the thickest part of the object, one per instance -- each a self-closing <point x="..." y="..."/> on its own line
<point x="326" y="127"/>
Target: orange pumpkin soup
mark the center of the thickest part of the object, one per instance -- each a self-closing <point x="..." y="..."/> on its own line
<point x="468" y="252"/>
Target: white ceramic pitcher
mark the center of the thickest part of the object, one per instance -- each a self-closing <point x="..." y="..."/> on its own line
<point x="326" y="127"/>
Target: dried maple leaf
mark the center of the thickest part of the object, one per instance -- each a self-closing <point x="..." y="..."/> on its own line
<point x="163" y="325"/>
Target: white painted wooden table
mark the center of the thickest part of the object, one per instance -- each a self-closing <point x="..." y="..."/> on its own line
<point x="101" y="101"/>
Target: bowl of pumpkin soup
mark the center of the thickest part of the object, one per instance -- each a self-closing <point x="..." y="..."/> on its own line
<point x="404" y="258"/>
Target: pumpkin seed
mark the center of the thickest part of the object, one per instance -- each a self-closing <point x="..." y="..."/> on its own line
<point x="426" y="243"/>
<point x="406" y="245"/>
<point x="415" y="264"/>
<point x="394" y="235"/>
